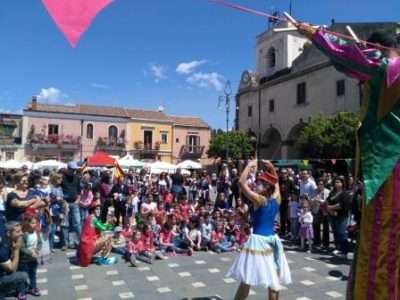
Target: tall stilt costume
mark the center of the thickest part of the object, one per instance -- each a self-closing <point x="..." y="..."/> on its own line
<point x="376" y="266"/>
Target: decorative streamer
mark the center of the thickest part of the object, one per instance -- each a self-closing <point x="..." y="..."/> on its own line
<point x="73" y="17"/>
<point x="333" y="160"/>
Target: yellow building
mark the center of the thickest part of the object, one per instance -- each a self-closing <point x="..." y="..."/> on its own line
<point x="149" y="135"/>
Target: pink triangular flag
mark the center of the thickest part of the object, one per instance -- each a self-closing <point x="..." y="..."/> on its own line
<point x="73" y="17"/>
<point x="333" y="160"/>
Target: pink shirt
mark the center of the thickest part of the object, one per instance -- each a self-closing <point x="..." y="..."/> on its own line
<point x="86" y="198"/>
<point x="135" y="247"/>
<point x="216" y="237"/>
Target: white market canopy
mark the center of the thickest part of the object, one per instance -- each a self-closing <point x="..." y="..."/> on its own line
<point x="189" y="164"/>
<point x="28" y="164"/>
<point x="128" y="161"/>
<point x="49" y="164"/>
<point x="10" y="164"/>
<point x="161" y="166"/>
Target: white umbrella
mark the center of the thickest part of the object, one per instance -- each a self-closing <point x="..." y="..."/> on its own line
<point x="128" y="161"/>
<point x="28" y="164"/>
<point x="189" y="164"/>
<point x="10" y="164"/>
<point x="49" y="164"/>
<point x="161" y="166"/>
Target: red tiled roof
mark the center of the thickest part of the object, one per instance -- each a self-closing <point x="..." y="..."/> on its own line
<point x="147" y="114"/>
<point x="188" y="121"/>
<point x="101" y="110"/>
<point x="121" y="112"/>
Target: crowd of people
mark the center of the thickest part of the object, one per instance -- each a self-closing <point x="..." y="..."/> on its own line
<point x="142" y="218"/>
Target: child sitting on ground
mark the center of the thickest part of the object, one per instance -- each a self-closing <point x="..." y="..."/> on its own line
<point x="118" y="242"/>
<point x="192" y="236"/>
<point x="166" y="240"/>
<point x="135" y="250"/>
<point x="219" y="242"/>
<point x="242" y="236"/>
<point x="148" y="243"/>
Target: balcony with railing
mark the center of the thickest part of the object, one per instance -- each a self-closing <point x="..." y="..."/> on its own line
<point x="41" y="141"/>
<point x="145" y="150"/>
<point x="191" y="151"/>
<point x="113" y="146"/>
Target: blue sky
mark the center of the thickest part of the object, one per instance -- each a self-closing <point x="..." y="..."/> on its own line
<point x="145" y="54"/>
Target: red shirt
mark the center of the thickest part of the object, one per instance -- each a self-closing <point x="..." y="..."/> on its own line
<point x="165" y="237"/>
<point x="135" y="247"/>
<point x="148" y="242"/>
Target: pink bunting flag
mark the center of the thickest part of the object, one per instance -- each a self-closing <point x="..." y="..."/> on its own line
<point x="333" y="160"/>
<point x="73" y="17"/>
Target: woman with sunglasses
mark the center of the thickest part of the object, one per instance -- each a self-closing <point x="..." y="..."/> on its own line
<point x="21" y="199"/>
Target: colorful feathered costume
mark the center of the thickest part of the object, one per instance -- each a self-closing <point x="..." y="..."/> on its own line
<point x="375" y="271"/>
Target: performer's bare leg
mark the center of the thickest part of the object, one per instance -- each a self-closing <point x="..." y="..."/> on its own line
<point x="272" y="294"/>
<point x="242" y="292"/>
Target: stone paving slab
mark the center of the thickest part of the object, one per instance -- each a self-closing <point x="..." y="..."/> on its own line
<point x="315" y="276"/>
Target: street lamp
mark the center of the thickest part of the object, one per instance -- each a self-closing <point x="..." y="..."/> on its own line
<point x="227" y="98"/>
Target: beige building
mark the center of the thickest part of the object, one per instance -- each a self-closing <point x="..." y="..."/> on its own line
<point x="293" y="82"/>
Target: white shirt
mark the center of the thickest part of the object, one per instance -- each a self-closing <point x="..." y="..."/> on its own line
<point x="193" y="234"/>
<point x="307" y="187"/>
<point x="307" y="219"/>
<point x="206" y="230"/>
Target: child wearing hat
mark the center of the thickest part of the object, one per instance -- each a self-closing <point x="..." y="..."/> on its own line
<point x="118" y="242"/>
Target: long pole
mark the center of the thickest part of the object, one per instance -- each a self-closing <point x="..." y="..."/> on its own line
<point x="227" y="125"/>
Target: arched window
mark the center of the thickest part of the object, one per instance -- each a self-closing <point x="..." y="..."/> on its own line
<point x="89" y="131"/>
<point x="271" y="57"/>
<point x="113" y="133"/>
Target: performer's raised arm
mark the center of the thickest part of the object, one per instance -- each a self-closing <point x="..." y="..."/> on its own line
<point x="347" y="57"/>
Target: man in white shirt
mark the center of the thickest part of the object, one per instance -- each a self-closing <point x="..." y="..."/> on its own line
<point x="307" y="184"/>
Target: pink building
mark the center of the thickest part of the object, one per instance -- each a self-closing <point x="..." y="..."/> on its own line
<point x="191" y="137"/>
<point x="62" y="132"/>
<point x="72" y="132"/>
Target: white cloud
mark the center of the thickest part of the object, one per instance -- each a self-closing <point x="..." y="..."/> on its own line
<point x="5" y="111"/>
<point x="51" y="95"/>
<point x="187" y="68"/>
<point x="100" y="85"/>
<point x="206" y="79"/>
<point x="158" y="72"/>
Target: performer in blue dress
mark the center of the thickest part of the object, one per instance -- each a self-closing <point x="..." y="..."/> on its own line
<point x="262" y="260"/>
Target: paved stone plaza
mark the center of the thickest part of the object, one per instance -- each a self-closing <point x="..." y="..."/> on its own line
<point x="315" y="276"/>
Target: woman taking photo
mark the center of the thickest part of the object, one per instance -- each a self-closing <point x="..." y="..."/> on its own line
<point x="262" y="261"/>
<point x="338" y="204"/>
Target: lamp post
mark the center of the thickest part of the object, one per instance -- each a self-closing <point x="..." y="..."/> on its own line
<point x="227" y="98"/>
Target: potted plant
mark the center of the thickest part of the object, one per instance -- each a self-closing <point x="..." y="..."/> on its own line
<point x="138" y="145"/>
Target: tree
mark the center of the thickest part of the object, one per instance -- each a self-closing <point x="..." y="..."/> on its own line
<point x="239" y="145"/>
<point x="329" y="137"/>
